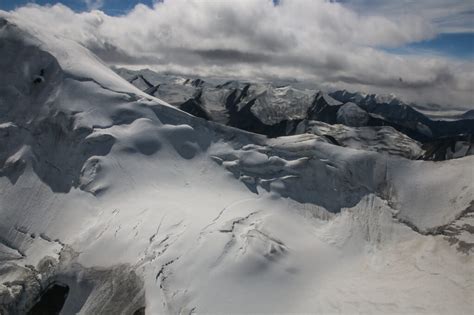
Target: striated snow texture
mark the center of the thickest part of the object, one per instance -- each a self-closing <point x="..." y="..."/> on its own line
<point x="136" y="206"/>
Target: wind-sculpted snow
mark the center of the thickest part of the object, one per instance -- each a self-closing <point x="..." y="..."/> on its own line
<point x="131" y="205"/>
<point x="311" y="171"/>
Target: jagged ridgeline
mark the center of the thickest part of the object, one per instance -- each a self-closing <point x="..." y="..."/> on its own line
<point x="371" y="122"/>
<point x="113" y="201"/>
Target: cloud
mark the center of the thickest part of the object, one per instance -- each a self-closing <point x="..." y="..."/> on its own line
<point x="94" y="4"/>
<point x="453" y="16"/>
<point x="329" y="43"/>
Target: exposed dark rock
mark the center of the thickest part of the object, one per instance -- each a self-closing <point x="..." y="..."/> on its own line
<point x="51" y="301"/>
<point x="448" y="147"/>
<point x="324" y="108"/>
<point x="193" y="107"/>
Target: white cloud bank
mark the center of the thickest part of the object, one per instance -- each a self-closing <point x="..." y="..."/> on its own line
<point x="329" y="43"/>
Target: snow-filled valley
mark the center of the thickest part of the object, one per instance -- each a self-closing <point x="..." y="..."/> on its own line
<point x="131" y="205"/>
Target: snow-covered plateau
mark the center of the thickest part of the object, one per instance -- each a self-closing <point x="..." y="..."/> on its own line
<point x="115" y="202"/>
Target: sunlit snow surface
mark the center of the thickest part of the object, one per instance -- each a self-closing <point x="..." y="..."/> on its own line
<point x="133" y="203"/>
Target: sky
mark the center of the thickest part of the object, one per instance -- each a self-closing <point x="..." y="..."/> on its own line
<point x="112" y="7"/>
<point x="421" y="50"/>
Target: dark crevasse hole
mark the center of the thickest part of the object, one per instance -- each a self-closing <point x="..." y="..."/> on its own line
<point x="140" y="311"/>
<point x="51" y="301"/>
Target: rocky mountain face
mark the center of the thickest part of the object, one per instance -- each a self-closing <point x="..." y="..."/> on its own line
<point x="277" y="111"/>
<point x="113" y="201"/>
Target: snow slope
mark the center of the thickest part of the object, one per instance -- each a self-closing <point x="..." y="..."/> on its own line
<point x="134" y="204"/>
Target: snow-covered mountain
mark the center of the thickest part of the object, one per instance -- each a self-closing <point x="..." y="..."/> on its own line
<point x="115" y="202"/>
<point x="277" y="110"/>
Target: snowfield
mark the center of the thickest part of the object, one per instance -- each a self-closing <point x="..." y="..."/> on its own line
<point x="136" y="206"/>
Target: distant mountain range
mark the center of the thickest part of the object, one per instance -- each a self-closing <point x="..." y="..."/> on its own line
<point x="274" y="111"/>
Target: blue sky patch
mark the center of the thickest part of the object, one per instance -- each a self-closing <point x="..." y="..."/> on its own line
<point x="111" y="7"/>
<point x="456" y="45"/>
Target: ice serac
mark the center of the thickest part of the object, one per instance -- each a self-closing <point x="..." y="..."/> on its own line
<point x="130" y="205"/>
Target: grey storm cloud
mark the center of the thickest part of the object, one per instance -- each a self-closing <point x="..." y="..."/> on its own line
<point x="330" y="43"/>
<point x="232" y="55"/>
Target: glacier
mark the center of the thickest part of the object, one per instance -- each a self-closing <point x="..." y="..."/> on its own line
<point x="131" y="205"/>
